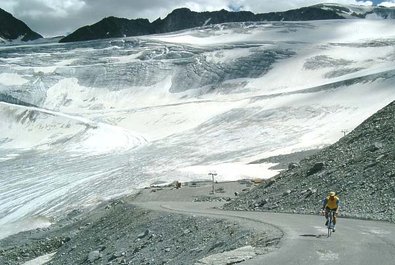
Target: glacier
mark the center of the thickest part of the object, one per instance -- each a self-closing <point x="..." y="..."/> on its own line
<point x="82" y="123"/>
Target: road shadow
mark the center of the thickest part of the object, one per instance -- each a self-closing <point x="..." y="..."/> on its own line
<point x="313" y="235"/>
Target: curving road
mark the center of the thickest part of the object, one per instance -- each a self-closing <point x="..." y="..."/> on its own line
<point x="356" y="242"/>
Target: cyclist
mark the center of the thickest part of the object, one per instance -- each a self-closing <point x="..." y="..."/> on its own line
<point x="331" y="202"/>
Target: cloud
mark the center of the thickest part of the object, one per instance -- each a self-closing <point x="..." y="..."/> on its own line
<point x="365" y="3"/>
<point x="48" y="17"/>
<point x="388" y="4"/>
<point x="55" y="17"/>
<point x="39" y="8"/>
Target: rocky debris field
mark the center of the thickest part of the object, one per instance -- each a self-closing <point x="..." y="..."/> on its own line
<point x="120" y="233"/>
<point x="360" y="168"/>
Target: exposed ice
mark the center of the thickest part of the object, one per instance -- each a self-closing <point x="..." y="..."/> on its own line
<point x="85" y="122"/>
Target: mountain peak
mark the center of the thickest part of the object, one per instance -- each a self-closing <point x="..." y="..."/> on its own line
<point x="184" y="18"/>
<point x="181" y="10"/>
<point x="12" y="28"/>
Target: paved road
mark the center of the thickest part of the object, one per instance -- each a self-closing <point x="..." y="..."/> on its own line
<point x="305" y="242"/>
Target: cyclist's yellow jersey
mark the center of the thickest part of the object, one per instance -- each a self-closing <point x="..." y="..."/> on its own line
<point x="331" y="203"/>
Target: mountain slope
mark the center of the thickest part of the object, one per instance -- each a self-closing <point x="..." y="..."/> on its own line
<point x="208" y="99"/>
<point x="184" y="18"/>
<point x="111" y="27"/>
<point x="359" y="167"/>
<point x="355" y="11"/>
<point x="12" y="28"/>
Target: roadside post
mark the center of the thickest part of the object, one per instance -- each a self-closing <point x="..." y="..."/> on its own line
<point x="213" y="174"/>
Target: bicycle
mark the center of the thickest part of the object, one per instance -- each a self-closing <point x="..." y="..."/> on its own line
<point x="331" y="214"/>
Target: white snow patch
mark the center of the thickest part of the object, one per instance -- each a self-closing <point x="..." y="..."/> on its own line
<point x="69" y="96"/>
<point x="9" y="79"/>
<point x="321" y="32"/>
<point x="227" y="56"/>
<point x="234" y="171"/>
<point x="160" y="122"/>
<point x="106" y="138"/>
<point x="26" y="224"/>
<point x="126" y="58"/>
<point x="206" y="22"/>
<point x="83" y="134"/>
<point x="40" y="260"/>
<point x="8" y="157"/>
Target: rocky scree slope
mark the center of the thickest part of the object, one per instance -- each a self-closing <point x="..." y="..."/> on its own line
<point x="119" y="233"/>
<point x="360" y="167"/>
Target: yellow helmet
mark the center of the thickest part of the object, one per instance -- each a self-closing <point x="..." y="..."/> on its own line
<point x="332" y="193"/>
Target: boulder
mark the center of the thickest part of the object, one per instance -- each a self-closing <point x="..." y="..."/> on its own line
<point x="144" y="234"/>
<point x="293" y="166"/>
<point x="316" y="168"/>
<point x="93" y="256"/>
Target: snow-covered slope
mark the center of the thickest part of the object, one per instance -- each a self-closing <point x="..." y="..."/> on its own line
<point x="114" y="115"/>
<point x="367" y="11"/>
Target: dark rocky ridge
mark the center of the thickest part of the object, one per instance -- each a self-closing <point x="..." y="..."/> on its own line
<point x="359" y="167"/>
<point x="184" y="18"/>
<point x="12" y="28"/>
<point x="111" y="27"/>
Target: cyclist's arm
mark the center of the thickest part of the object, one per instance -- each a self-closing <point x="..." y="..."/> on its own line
<point x="324" y="202"/>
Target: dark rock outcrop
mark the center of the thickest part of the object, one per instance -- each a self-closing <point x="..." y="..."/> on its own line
<point x="12" y="28"/>
<point x="184" y="18"/>
<point x="111" y="27"/>
<point x="300" y="14"/>
<point x="10" y="99"/>
<point x="360" y="168"/>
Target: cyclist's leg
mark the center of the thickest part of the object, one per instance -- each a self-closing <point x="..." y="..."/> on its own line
<point x="334" y="216"/>
<point x="326" y="215"/>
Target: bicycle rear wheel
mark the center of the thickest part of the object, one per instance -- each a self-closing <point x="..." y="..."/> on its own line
<point x="330" y="223"/>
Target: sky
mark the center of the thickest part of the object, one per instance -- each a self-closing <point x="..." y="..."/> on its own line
<point x="61" y="17"/>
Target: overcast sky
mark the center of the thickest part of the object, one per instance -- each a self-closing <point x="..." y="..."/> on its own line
<point x="61" y="17"/>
